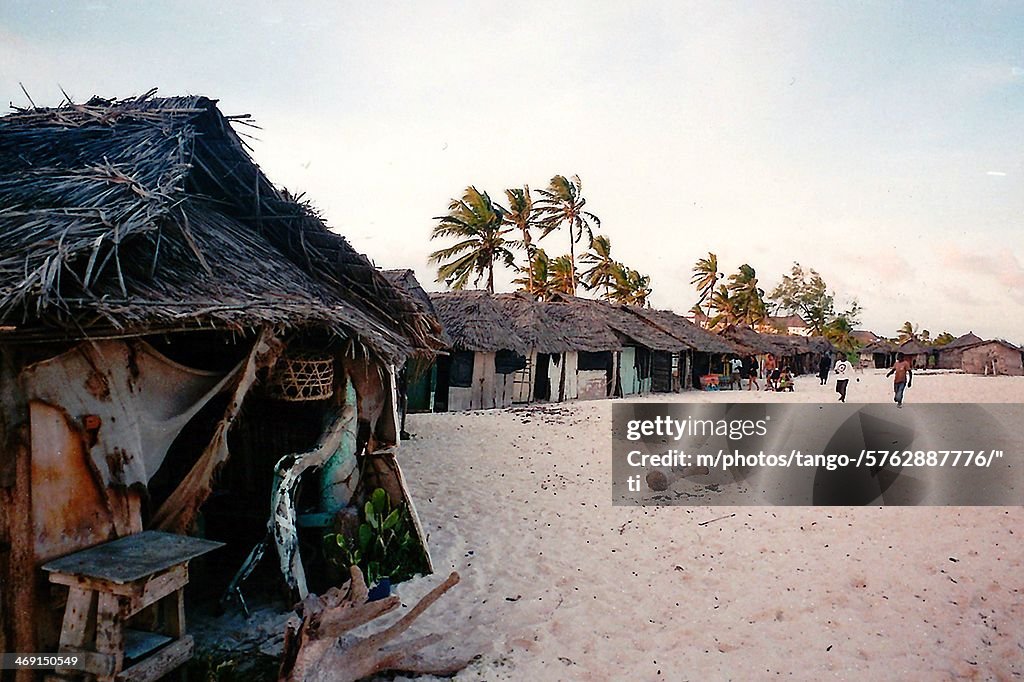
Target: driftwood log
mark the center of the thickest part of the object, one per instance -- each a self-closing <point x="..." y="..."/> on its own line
<point x="318" y="648"/>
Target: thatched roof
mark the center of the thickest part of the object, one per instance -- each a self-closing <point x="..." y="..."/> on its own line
<point x="583" y="327"/>
<point x="913" y="347"/>
<point x="880" y="346"/>
<point x="751" y="342"/>
<point x="475" y="323"/>
<point x="405" y="281"/>
<point x="781" y="345"/>
<point x="533" y="325"/>
<point x="968" y="339"/>
<point x="785" y="322"/>
<point x="997" y="342"/>
<point x="148" y="214"/>
<point x="865" y="337"/>
<point x="678" y="326"/>
<point x="618" y="318"/>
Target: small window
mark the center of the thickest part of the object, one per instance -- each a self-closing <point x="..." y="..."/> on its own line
<point x="508" y="362"/>
<point x="461" y="373"/>
<point x="601" y="360"/>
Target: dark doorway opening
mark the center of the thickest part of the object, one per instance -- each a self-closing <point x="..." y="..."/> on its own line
<point x="542" y="382"/>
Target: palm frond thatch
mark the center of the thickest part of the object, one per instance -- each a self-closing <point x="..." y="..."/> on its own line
<point x="147" y="214"/>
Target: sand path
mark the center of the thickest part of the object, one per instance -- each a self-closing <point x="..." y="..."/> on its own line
<point x="559" y="584"/>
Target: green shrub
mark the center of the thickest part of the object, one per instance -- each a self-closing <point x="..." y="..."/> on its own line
<point x="384" y="546"/>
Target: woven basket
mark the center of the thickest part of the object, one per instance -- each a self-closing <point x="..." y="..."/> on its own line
<point x="299" y="378"/>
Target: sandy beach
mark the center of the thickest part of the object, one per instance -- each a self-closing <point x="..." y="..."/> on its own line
<point x="559" y="584"/>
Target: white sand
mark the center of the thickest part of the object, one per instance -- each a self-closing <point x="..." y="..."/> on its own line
<point x="559" y="584"/>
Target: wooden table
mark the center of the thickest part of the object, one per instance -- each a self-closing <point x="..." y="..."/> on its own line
<point x="109" y="584"/>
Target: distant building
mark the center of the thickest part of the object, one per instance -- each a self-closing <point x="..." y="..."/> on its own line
<point x="995" y="357"/>
<point x="865" y="337"/>
<point x="951" y="354"/>
<point x="788" y="324"/>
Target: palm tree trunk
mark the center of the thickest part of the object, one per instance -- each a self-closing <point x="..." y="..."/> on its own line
<point x="529" y="260"/>
<point x="490" y="277"/>
<point x="572" y="262"/>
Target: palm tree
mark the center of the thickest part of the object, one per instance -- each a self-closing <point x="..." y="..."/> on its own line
<point x="477" y="222"/>
<point x="722" y="303"/>
<point x="630" y="287"/>
<point x="562" y="204"/>
<point x="602" y="271"/>
<point x="705" y="277"/>
<point x="747" y="298"/>
<point x="908" y="332"/>
<point x="563" y="275"/>
<point x="521" y="215"/>
<point x="537" y="279"/>
<point x="839" y="332"/>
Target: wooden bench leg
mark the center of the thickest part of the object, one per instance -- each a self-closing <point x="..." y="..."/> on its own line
<point x="174" y="623"/>
<point x="77" y="616"/>
<point x="110" y="632"/>
<point x="75" y="630"/>
<point x="174" y="614"/>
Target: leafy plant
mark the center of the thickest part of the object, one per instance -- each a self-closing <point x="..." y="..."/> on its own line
<point x="384" y="546"/>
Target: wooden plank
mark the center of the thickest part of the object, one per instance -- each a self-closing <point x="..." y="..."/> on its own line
<point x="90" y="662"/>
<point x="158" y="587"/>
<point x="18" y="586"/>
<point x="159" y="664"/>
<point x="174" y="615"/>
<point x="133" y="557"/>
<point x="110" y="631"/>
<point x="78" y="612"/>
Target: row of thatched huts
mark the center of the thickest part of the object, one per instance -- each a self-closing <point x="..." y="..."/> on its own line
<point x="968" y="353"/>
<point x="181" y="344"/>
<point x="509" y="349"/>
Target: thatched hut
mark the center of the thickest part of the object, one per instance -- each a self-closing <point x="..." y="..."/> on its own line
<point x="950" y="355"/>
<point x="880" y="354"/>
<point x="540" y="351"/>
<point x="643" y="347"/>
<point x="570" y="356"/>
<point x="919" y="355"/>
<point x="486" y="353"/>
<point x="704" y="352"/>
<point x="799" y="353"/>
<point x="167" y="314"/>
<point x="993" y="358"/>
<point x="750" y="342"/>
<point x="417" y="380"/>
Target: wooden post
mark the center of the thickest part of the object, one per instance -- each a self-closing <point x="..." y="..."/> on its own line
<point x="17" y="540"/>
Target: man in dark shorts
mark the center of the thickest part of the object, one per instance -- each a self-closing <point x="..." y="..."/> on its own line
<point x="751" y="368"/>
<point x="824" y="365"/>
<point x="904" y="375"/>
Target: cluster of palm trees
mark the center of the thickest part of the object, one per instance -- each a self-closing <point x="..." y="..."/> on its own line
<point x="488" y="233"/>
<point x="913" y="332"/>
<point x="737" y="300"/>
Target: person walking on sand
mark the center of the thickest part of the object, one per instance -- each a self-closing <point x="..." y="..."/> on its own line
<point x="904" y="375"/>
<point x="823" y="366"/>
<point x="770" y="372"/>
<point x="752" y="368"/>
<point x="844" y="370"/>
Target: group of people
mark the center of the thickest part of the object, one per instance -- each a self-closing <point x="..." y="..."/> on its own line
<point x="781" y="378"/>
<point x="775" y="378"/>
<point x="901" y="371"/>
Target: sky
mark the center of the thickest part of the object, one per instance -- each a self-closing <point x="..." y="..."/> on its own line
<point x="881" y="143"/>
